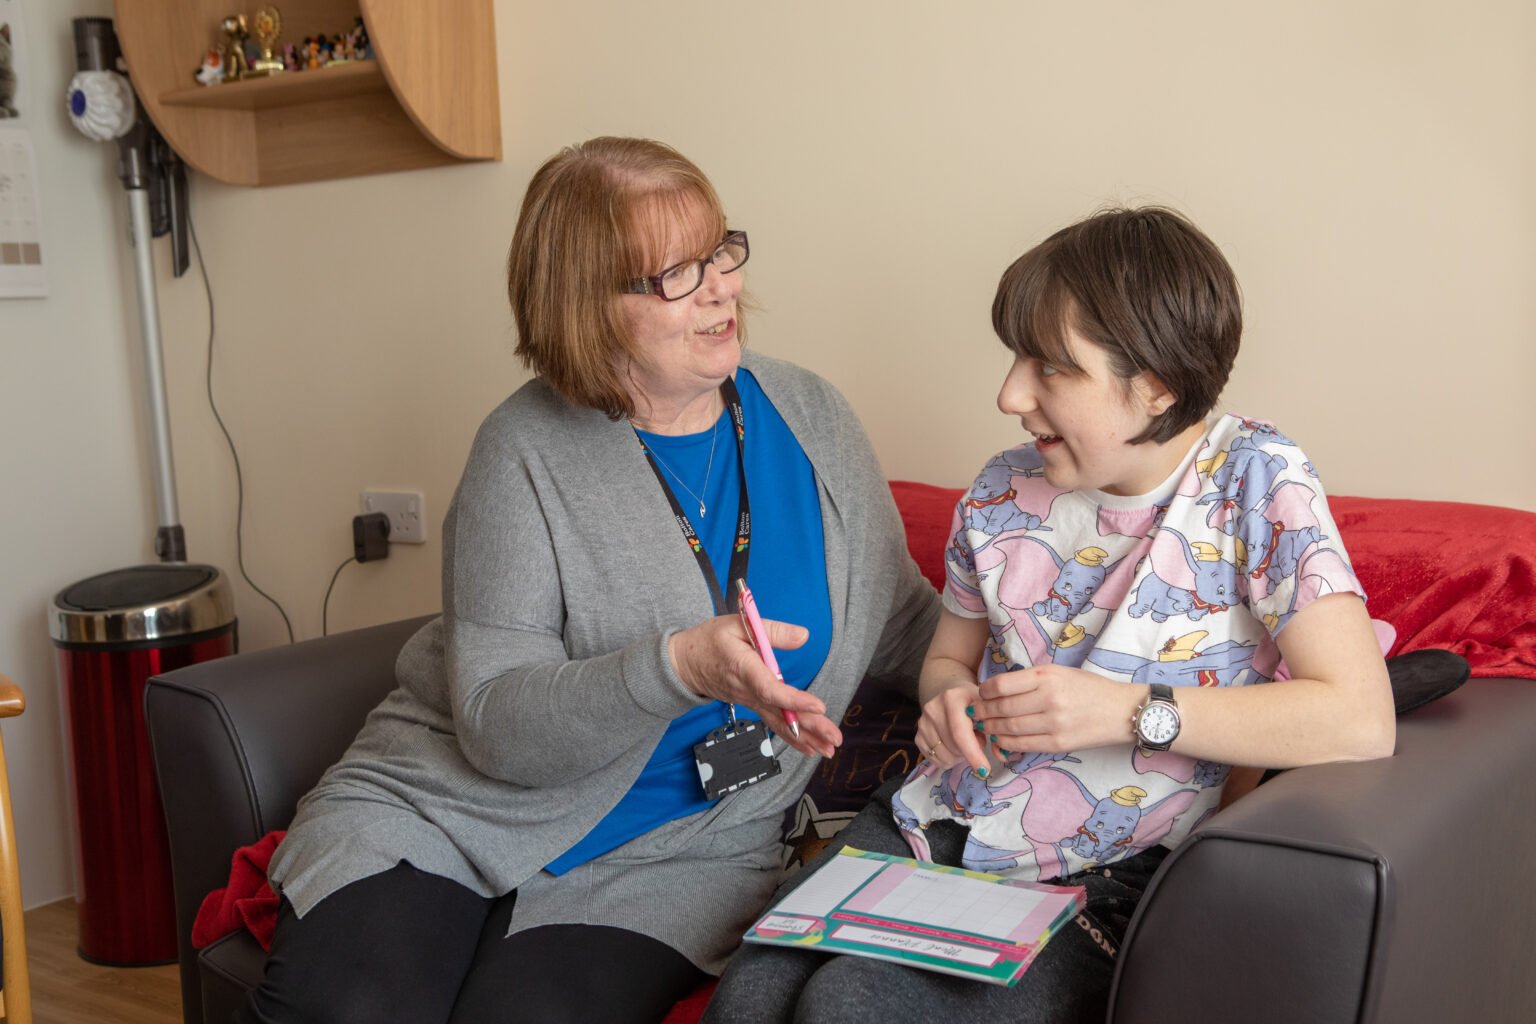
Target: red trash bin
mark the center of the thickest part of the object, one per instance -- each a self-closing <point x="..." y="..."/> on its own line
<point x="113" y="632"/>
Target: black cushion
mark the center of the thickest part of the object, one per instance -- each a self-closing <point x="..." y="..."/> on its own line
<point x="1419" y="677"/>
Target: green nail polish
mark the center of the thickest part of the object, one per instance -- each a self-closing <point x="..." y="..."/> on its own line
<point x="982" y="772"/>
<point x="970" y="711"/>
<point x="991" y="738"/>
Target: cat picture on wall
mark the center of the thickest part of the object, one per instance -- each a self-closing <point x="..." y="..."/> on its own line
<point x="7" y="74"/>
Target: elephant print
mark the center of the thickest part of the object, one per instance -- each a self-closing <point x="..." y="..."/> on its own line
<point x="1179" y="662"/>
<point x="1241" y="475"/>
<point x="991" y="506"/>
<point x="1063" y="817"/>
<point x="1187" y="579"/>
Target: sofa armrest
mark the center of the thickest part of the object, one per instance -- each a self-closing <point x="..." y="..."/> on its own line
<point x="237" y="741"/>
<point x="1390" y="890"/>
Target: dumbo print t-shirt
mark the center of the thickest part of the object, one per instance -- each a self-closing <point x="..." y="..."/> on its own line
<point x="1187" y="586"/>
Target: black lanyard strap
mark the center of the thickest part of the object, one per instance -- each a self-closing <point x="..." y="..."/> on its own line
<point x="724" y="600"/>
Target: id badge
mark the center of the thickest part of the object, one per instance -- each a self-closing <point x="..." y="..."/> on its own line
<point x="734" y="757"/>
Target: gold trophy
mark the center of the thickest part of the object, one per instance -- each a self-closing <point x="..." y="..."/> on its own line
<point x="265" y="26"/>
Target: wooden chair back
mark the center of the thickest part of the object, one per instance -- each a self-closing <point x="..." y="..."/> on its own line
<point x="15" y="986"/>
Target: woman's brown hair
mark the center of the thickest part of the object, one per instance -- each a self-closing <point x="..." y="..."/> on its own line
<point x="1145" y="285"/>
<point x="597" y="215"/>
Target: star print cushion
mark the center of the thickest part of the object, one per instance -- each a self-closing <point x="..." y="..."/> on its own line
<point x="1187" y="585"/>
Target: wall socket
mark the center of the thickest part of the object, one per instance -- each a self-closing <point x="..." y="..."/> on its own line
<point x="407" y="513"/>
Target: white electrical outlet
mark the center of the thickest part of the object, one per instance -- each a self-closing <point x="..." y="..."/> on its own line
<point x="407" y="513"/>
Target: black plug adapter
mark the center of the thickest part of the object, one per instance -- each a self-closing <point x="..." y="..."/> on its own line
<point x="370" y="536"/>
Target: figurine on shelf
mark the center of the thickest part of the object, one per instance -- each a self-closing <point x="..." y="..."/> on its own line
<point x="265" y="26"/>
<point x="291" y="58"/>
<point x="361" y="47"/>
<point x="311" y="53"/>
<point x="235" y="32"/>
<point x="212" y="70"/>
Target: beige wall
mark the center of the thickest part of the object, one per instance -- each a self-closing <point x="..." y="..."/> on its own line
<point x="1366" y="166"/>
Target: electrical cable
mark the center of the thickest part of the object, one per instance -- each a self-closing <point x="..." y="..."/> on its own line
<point x="239" y="477"/>
<point x="325" y="606"/>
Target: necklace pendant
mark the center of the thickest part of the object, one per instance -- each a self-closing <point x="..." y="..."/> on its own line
<point x="701" y="510"/>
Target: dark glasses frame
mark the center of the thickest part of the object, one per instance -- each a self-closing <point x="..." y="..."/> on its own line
<point x="652" y="285"/>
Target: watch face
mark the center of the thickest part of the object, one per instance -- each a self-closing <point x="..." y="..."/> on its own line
<point x="1158" y="724"/>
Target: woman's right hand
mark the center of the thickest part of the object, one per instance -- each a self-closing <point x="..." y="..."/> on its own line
<point x="946" y="733"/>
<point x="715" y="659"/>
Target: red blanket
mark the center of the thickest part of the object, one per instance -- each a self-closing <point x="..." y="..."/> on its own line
<point x="1449" y="575"/>
<point x="248" y="901"/>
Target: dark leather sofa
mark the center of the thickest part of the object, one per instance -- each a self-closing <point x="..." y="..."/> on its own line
<point x="1386" y="892"/>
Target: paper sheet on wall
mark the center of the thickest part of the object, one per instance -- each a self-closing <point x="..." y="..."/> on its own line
<point x="21" y="240"/>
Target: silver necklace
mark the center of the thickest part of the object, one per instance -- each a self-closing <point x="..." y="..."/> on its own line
<point x="708" y="469"/>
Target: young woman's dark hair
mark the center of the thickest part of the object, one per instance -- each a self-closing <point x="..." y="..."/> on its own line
<point x="1145" y="285"/>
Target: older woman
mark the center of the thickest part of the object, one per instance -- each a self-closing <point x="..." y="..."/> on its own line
<point x="568" y="809"/>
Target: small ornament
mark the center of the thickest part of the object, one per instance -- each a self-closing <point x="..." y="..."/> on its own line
<point x="361" y="48"/>
<point x="236" y="33"/>
<point x="212" y="70"/>
<point x="265" y="26"/>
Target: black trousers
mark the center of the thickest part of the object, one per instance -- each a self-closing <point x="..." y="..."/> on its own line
<point x="409" y="946"/>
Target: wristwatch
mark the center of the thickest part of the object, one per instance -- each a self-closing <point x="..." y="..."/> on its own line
<point x="1156" y="722"/>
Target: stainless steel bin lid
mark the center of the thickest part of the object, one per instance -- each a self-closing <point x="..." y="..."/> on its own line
<point x="142" y="602"/>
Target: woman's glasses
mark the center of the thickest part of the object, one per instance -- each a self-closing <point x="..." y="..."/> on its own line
<point x="684" y="278"/>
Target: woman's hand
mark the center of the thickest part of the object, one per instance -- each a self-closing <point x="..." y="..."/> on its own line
<point x="1054" y="709"/>
<point x="946" y="733"/>
<point x="715" y="659"/>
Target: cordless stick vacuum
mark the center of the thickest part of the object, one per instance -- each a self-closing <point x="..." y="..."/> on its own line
<point x="103" y="106"/>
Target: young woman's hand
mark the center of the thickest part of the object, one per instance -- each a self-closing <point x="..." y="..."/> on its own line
<point x="715" y="659"/>
<point x="1055" y="709"/>
<point x="946" y="734"/>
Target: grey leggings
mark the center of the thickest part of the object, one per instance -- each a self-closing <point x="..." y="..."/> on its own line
<point x="1068" y="982"/>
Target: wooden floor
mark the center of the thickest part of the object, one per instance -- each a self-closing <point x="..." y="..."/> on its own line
<point x="68" y="990"/>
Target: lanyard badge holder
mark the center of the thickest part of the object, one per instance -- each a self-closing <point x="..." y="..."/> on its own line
<point x="735" y="756"/>
<point x="740" y="752"/>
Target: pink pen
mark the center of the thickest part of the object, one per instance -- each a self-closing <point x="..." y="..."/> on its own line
<point x="752" y="622"/>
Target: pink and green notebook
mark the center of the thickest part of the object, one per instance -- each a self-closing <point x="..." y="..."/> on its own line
<point x="938" y="918"/>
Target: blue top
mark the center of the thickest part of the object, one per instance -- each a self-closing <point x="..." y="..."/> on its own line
<point x="787" y="574"/>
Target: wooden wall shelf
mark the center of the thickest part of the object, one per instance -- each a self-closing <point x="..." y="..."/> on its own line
<point x="284" y="90"/>
<point x="428" y="99"/>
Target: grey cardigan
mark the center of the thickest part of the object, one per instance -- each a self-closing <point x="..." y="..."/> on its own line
<point x="528" y="709"/>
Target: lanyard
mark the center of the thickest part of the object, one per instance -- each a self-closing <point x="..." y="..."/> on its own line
<point x="724" y="600"/>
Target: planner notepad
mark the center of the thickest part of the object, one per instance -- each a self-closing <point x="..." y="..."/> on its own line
<point x="938" y="918"/>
